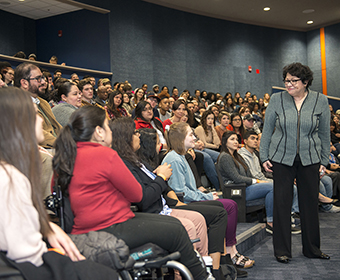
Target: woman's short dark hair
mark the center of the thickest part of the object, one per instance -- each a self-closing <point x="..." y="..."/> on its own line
<point x="123" y="130"/>
<point x="148" y="142"/>
<point x="80" y="128"/>
<point x="301" y="71"/>
<point x="64" y="89"/>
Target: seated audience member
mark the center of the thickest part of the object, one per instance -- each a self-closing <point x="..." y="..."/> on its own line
<point x="101" y="193"/>
<point x="164" y="106"/>
<point x="32" y="56"/>
<point x="153" y="100"/>
<point x="92" y="80"/>
<point x="146" y="119"/>
<point x="114" y="106"/>
<point x="27" y="76"/>
<point x="86" y="89"/>
<point x="49" y="78"/>
<point x="20" y="54"/>
<point x="253" y="163"/>
<point x="185" y="95"/>
<point x="57" y="73"/>
<point x="224" y="119"/>
<point x="206" y="131"/>
<point x="325" y="196"/>
<point x="171" y="102"/>
<point x="174" y="94"/>
<point x="234" y="169"/>
<point x="145" y="88"/>
<point x="216" y="110"/>
<point x="75" y="78"/>
<point x="266" y="99"/>
<point x="178" y="111"/>
<point x="249" y="124"/>
<point x="139" y="96"/>
<point x="102" y="96"/>
<point x="2" y="83"/>
<point x="24" y="221"/>
<point x="128" y="89"/>
<point x="237" y="124"/>
<point x="126" y="103"/>
<point x="70" y="100"/>
<point x="180" y="138"/>
<point x="8" y="75"/>
<point x="261" y="103"/>
<point x="53" y="60"/>
<point x="155" y="89"/>
<point x="192" y="120"/>
<point x="229" y="106"/>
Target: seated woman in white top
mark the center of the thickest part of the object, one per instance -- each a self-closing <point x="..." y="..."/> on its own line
<point x="23" y="219"/>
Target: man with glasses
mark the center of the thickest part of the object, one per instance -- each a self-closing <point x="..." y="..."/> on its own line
<point x="27" y="76"/>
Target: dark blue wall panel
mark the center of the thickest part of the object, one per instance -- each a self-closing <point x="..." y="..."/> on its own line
<point x="17" y="33"/>
<point x="84" y="41"/>
<point x="154" y="44"/>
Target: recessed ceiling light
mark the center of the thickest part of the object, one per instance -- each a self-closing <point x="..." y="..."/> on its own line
<point x="310" y="22"/>
<point x="308" y="11"/>
<point x="266" y="9"/>
<point x="21" y="0"/>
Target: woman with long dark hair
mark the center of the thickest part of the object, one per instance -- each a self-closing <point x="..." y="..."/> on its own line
<point x="24" y="221"/>
<point x="178" y="111"/>
<point x="101" y="189"/>
<point x="139" y="96"/>
<point x="114" y="105"/>
<point x="145" y="119"/>
<point x="234" y="169"/>
<point x="206" y="131"/>
<point x="237" y="124"/>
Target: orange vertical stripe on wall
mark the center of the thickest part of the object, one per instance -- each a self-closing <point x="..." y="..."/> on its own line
<point x="323" y="60"/>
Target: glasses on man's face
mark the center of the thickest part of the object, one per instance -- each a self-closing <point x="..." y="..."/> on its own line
<point x="293" y="82"/>
<point x="39" y="79"/>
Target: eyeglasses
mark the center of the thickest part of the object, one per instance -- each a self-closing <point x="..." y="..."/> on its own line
<point x="293" y="82"/>
<point x="236" y="120"/>
<point x="39" y="79"/>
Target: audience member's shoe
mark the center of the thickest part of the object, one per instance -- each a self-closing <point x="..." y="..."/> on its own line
<point x="324" y="256"/>
<point x="334" y="209"/>
<point x="295" y="229"/>
<point x="283" y="259"/>
<point x="295" y="218"/>
<point x="337" y="203"/>
<point x="269" y="229"/>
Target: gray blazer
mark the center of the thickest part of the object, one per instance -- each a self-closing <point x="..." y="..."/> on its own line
<point x="286" y="134"/>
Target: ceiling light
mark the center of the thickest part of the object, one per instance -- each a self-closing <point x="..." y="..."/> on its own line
<point x="310" y="22"/>
<point x="308" y="11"/>
<point x="266" y="9"/>
<point x="21" y="0"/>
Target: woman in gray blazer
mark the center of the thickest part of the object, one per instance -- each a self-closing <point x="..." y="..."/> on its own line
<point x="295" y="144"/>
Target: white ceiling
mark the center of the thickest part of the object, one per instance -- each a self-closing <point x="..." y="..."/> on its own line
<point x="37" y="9"/>
<point x="287" y="14"/>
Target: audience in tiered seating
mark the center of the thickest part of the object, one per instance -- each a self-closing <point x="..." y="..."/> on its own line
<point x="199" y="111"/>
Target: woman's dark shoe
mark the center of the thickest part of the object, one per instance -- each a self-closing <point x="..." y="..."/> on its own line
<point x="324" y="256"/>
<point x="283" y="259"/>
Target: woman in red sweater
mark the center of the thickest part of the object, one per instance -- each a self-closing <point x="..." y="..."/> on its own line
<point x="101" y="189"/>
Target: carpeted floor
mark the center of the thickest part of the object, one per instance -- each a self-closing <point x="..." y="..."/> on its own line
<point x="300" y="267"/>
